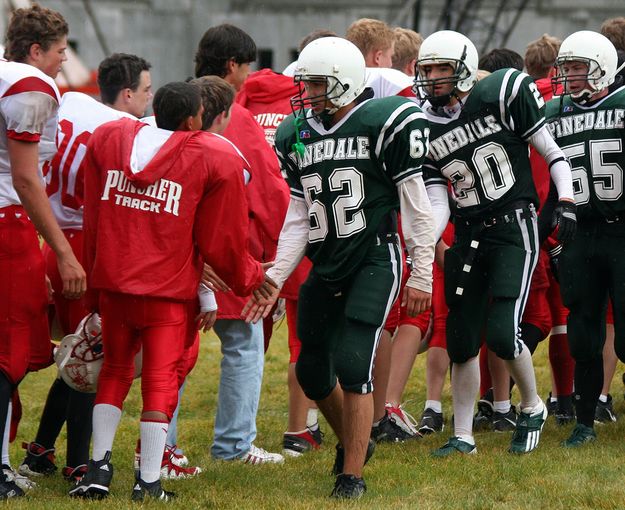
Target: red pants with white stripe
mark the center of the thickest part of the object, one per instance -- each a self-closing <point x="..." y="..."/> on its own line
<point x="159" y="326"/>
<point x="24" y="335"/>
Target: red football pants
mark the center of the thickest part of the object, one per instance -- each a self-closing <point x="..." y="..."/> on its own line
<point x="24" y="335"/>
<point x="159" y="326"/>
<point x="69" y="311"/>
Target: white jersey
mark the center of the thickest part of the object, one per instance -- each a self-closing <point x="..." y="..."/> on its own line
<point x="79" y="116"/>
<point x="387" y="82"/>
<point x="29" y="100"/>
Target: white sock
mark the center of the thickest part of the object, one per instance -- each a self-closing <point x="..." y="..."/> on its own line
<point x="105" y="422"/>
<point x="5" y="440"/>
<point x="602" y="397"/>
<point x="467" y="439"/>
<point x="434" y="405"/>
<point x="465" y="383"/>
<point x="311" y="419"/>
<point x="522" y="371"/>
<point x="501" y="406"/>
<point x="153" y="436"/>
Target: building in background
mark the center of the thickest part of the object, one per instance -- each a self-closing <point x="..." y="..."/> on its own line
<point x="166" y="32"/>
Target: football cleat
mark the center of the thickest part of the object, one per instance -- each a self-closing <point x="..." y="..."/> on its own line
<point x="565" y="412"/>
<point x="339" y="459"/>
<point x="74" y="474"/>
<point x="144" y="490"/>
<point x="483" y="419"/>
<point x="21" y="481"/>
<point x="96" y="481"/>
<point x="9" y="488"/>
<point x="527" y="432"/>
<point x="581" y="435"/>
<point x="504" y="422"/>
<point x="401" y="418"/>
<point x="604" y="413"/>
<point x="257" y="455"/>
<point x="552" y="405"/>
<point x="348" y="487"/>
<point x="454" y="445"/>
<point x="38" y="461"/>
<point x="172" y="471"/>
<point x="431" y="422"/>
<point x="177" y="457"/>
<point x="388" y="431"/>
<point x="298" y="443"/>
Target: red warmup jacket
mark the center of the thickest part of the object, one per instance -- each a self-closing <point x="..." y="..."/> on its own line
<point x="267" y="95"/>
<point x="267" y="197"/>
<point x="147" y="231"/>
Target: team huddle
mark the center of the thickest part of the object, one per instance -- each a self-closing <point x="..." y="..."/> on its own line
<point x="392" y="194"/>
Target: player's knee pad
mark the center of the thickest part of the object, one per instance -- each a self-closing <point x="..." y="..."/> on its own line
<point x="314" y="375"/>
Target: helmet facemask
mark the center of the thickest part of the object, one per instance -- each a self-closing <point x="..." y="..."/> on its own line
<point x="335" y="89"/>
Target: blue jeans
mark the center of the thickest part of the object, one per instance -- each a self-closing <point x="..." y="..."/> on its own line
<point x="242" y="349"/>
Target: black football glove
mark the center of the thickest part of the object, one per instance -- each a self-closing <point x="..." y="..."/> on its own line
<point x="565" y="219"/>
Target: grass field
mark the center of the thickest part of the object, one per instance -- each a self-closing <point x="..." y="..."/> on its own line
<point x="398" y="476"/>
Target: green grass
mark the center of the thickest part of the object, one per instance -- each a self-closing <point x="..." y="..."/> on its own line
<point x="398" y="476"/>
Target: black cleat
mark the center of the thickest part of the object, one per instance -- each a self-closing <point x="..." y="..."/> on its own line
<point x="431" y="422"/>
<point x="38" y="461"/>
<point x="387" y="431"/>
<point x="504" y="422"/>
<point x="153" y="490"/>
<point x="9" y="489"/>
<point x="604" y="413"/>
<point x="339" y="460"/>
<point x="96" y="481"/>
<point x="348" y="487"/>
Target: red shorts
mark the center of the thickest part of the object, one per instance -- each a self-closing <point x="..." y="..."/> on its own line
<point x="24" y="335"/>
<point x="159" y="326"/>
<point x="295" y="345"/>
<point x="537" y="310"/>
<point x="439" y="310"/>
<point x="398" y="316"/>
<point x="69" y="311"/>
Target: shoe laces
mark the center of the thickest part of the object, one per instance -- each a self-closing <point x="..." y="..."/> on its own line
<point x="403" y="415"/>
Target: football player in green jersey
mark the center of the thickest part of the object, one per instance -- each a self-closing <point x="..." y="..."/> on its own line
<point x="587" y="122"/>
<point x="479" y="135"/>
<point x="351" y="163"/>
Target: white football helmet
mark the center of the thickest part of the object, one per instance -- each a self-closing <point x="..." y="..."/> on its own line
<point x="79" y="356"/>
<point x="336" y="61"/>
<point x="446" y="47"/>
<point x="594" y="50"/>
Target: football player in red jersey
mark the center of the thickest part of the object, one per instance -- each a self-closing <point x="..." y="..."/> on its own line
<point x="125" y="88"/>
<point x="145" y="192"/>
<point x="35" y="49"/>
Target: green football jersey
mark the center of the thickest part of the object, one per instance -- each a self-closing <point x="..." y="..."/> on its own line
<point x="482" y="148"/>
<point x="348" y="175"/>
<point x="592" y="138"/>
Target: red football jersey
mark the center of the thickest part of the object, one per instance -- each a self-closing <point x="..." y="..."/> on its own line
<point x="158" y="202"/>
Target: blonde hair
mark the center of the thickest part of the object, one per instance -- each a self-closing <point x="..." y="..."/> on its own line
<point x="614" y="29"/>
<point x="407" y="45"/>
<point x="540" y="55"/>
<point x="370" y="35"/>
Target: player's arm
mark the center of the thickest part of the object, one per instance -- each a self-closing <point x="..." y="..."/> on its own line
<point x="208" y="308"/>
<point x="417" y="223"/>
<point x="24" y="161"/>
<point x="560" y="205"/>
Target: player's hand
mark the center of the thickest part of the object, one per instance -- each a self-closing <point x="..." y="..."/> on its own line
<point x="565" y="218"/>
<point x="72" y="275"/>
<point x="258" y="308"/>
<point x="212" y="280"/>
<point x="206" y="320"/>
<point x="415" y="301"/>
